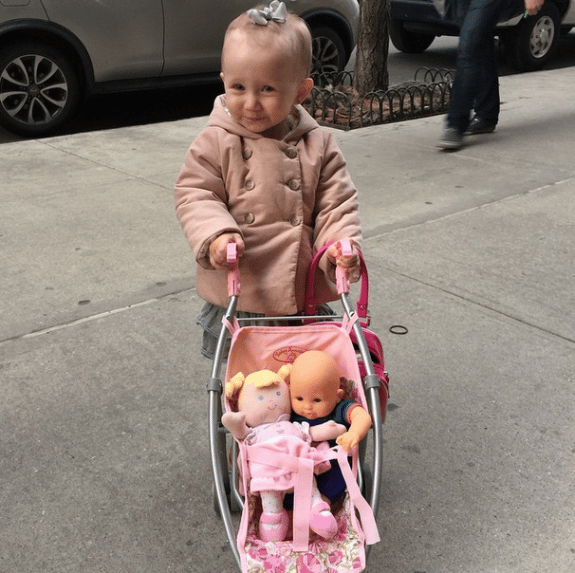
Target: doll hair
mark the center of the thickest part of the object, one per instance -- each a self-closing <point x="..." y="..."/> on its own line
<point x="292" y="36"/>
<point x="260" y="379"/>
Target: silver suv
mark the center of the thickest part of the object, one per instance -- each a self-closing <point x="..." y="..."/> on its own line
<point x="53" y="53"/>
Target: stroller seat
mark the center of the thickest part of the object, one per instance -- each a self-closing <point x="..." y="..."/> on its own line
<point x="255" y="347"/>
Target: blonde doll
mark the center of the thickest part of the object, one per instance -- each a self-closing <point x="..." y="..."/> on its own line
<point x="262" y="421"/>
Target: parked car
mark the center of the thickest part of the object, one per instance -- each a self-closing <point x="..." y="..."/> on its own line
<point x="54" y="53"/>
<point x="529" y="43"/>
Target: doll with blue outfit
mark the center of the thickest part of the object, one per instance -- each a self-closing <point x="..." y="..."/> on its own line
<point x="317" y="397"/>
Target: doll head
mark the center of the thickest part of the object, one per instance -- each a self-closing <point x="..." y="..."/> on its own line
<point x="315" y="384"/>
<point x="263" y="395"/>
<point x="265" y="69"/>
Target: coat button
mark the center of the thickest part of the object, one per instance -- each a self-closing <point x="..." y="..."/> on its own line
<point x="294" y="220"/>
<point x="249" y="218"/>
<point x="249" y="184"/>
<point x="291" y="152"/>
<point x="294" y="184"/>
<point x="247" y="153"/>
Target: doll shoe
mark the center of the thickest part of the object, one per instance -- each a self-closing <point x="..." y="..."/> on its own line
<point x="273" y="526"/>
<point x="322" y="521"/>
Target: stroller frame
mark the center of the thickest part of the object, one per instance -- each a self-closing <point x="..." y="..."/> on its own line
<point x="226" y="479"/>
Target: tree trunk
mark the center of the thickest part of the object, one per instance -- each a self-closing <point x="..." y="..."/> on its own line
<point x="372" y="47"/>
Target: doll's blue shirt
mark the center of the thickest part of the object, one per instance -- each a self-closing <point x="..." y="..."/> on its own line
<point x="330" y="483"/>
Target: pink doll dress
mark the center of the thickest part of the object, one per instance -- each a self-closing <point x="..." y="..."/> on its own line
<point x="282" y="437"/>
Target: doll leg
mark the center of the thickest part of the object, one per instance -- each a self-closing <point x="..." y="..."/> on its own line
<point x="274" y="519"/>
<point x="321" y="519"/>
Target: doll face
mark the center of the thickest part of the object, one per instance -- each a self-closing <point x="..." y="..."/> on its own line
<point x="314" y="401"/>
<point x="264" y="405"/>
<point x="314" y="385"/>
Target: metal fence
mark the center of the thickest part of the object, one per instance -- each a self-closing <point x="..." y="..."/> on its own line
<point x="334" y="102"/>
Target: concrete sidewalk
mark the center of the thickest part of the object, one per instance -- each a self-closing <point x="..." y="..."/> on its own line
<point x="103" y="441"/>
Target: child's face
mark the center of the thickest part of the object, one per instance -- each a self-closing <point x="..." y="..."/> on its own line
<point x="262" y="85"/>
<point x="313" y="401"/>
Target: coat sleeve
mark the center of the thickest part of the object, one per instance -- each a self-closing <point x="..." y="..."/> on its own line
<point x="337" y="210"/>
<point x="201" y="197"/>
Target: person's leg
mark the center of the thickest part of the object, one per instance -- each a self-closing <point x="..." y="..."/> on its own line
<point x="487" y="102"/>
<point x="476" y="79"/>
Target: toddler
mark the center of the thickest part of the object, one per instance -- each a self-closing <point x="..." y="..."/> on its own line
<point x="264" y="175"/>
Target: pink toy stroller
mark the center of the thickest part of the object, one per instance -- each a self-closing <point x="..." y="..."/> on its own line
<point x="269" y="347"/>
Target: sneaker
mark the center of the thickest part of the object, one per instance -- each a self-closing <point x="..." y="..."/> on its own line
<point x="478" y="126"/>
<point x="451" y="140"/>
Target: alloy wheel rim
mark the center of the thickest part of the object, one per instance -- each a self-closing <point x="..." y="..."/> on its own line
<point x="33" y="89"/>
<point x="542" y="37"/>
<point x="325" y="56"/>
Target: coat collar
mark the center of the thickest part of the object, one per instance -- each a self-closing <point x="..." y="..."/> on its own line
<point x="220" y="117"/>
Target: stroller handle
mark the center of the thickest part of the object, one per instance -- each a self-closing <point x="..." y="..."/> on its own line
<point x="234" y="284"/>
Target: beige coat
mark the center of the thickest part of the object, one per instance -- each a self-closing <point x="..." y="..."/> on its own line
<point x="286" y="197"/>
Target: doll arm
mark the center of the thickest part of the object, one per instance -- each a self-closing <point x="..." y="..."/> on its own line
<point x="326" y="431"/>
<point x="235" y="422"/>
<point x="360" y="424"/>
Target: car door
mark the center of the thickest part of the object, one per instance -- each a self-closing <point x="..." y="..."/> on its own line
<point x="194" y="33"/>
<point x="124" y="38"/>
<point x="569" y="18"/>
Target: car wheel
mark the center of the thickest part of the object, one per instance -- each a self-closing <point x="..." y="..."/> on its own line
<point x="39" y="89"/>
<point x="531" y="44"/>
<point x="328" y="51"/>
<point x="407" y="41"/>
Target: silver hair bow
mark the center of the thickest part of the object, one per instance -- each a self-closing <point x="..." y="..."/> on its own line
<point x="276" y="11"/>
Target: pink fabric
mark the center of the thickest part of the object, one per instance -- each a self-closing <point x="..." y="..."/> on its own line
<point x="301" y="469"/>
<point x="234" y="180"/>
<point x="256" y="347"/>
<point x="368" y="522"/>
<point x="281" y="437"/>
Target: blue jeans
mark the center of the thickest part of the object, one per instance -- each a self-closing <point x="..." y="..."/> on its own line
<point x="476" y="83"/>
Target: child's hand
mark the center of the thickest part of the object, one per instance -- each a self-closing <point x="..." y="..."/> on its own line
<point x="351" y="264"/>
<point x="218" y="249"/>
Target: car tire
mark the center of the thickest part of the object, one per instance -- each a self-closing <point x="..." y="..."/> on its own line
<point x="532" y="43"/>
<point x="407" y="41"/>
<point x="328" y="51"/>
<point x="39" y="89"/>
